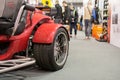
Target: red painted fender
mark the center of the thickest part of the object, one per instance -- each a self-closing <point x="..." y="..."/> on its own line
<point x="46" y="32"/>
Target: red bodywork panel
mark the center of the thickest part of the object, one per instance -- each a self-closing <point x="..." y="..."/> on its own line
<point x="46" y="32"/>
<point x="19" y="42"/>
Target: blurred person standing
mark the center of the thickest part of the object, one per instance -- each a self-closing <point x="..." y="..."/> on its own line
<point x="81" y="22"/>
<point x="87" y="19"/>
<point x="80" y="12"/>
<point x="58" y="16"/>
<point x="73" y="20"/>
<point x="66" y="13"/>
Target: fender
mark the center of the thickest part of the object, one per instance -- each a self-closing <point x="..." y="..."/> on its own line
<point x="46" y="32"/>
<point x="22" y="39"/>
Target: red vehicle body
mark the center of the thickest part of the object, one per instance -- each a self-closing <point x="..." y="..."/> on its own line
<point x="44" y="33"/>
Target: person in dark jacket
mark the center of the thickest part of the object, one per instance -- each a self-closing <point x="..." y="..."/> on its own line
<point x="81" y="22"/>
<point x="66" y="13"/>
<point x="73" y="19"/>
<point x="58" y="16"/>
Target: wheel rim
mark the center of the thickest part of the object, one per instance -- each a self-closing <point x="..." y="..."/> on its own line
<point x="60" y="48"/>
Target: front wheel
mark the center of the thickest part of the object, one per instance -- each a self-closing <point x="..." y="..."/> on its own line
<point x="53" y="56"/>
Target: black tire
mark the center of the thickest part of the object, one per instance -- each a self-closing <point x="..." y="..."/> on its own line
<point x="53" y="56"/>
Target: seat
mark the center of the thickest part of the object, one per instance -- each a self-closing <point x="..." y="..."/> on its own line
<point x="5" y="24"/>
<point x="9" y="10"/>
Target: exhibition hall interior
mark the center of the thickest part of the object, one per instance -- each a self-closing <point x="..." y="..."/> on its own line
<point x="59" y="40"/>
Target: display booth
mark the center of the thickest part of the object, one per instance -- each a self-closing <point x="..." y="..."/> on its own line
<point x="115" y="23"/>
<point x="100" y="28"/>
<point x="110" y="22"/>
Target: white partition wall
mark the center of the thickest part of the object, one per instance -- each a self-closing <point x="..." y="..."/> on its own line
<point x="115" y="23"/>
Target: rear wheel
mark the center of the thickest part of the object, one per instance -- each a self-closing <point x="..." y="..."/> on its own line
<point x="53" y="56"/>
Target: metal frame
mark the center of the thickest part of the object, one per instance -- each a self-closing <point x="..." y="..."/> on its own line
<point x="9" y="65"/>
<point x="18" y="19"/>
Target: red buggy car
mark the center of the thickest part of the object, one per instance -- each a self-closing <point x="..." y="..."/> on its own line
<point x="25" y="29"/>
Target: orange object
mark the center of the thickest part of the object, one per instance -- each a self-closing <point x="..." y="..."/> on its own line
<point x="97" y="31"/>
<point x="78" y="27"/>
<point x="67" y="27"/>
